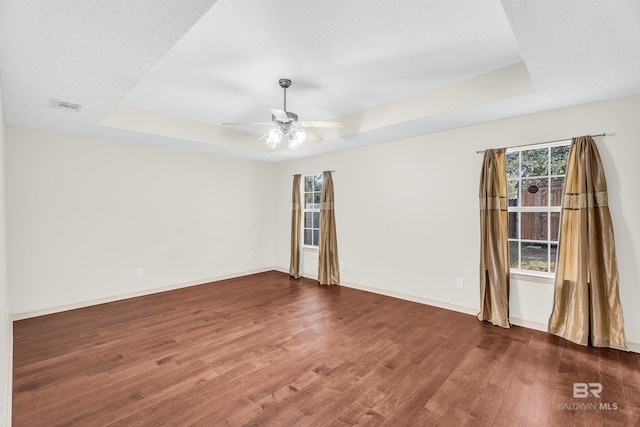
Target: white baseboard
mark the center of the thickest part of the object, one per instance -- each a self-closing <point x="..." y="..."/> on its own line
<point x="282" y="270"/>
<point x="399" y="295"/>
<point x="83" y="304"/>
<point x="633" y="346"/>
<point x="413" y="298"/>
<point x="305" y="275"/>
<point x="529" y="324"/>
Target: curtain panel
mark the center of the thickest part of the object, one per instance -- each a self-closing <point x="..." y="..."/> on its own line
<point x="328" y="265"/>
<point x="296" y="231"/>
<point x="494" y="245"/>
<point x="587" y="308"/>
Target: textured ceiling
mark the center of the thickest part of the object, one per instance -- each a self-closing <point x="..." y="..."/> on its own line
<point x="169" y="72"/>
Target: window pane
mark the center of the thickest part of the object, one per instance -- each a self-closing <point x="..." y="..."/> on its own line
<point x="535" y="192"/>
<point x="308" y="200"/>
<point x="555" y="226"/>
<point x="316" y="200"/>
<point x="535" y="162"/>
<point x="308" y="183"/>
<point x="535" y="257"/>
<point x="536" y="182"/>
<point x="308" y="219"/>
<point x="316" y="219"/>
<point x="317" y="182"/>
<point x="513" y="254"/>
<point x="315" y="237"/>
<point x="534" y="225"/>
<point x="308" y="237"/>
<point x="513" y="225"/>
<point x="559" y="157"/>
<point x="556" y="191"/>
<point x="513" y="164"/>
<point x="512" y="188"/>
<point x="554" y="258"/>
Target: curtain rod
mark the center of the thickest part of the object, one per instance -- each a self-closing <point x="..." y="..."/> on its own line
<point x="544" y="142"/>
<point x="312" y="173"/>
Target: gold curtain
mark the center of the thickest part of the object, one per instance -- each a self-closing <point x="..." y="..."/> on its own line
<point x="586" y="307"/>
<point x="296" y="223"/>
<point x="494" y="246"/>
<point x="328" y="267"/>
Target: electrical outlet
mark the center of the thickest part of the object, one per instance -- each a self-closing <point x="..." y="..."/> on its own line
<point x="139" y="272"/>
<point x="349" y="265"/>
<point x="342" y="264"/>
<point x="248" y="256"/>
<point x="459" y="283"/>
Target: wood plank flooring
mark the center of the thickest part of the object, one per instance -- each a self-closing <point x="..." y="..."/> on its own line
<point x="268" y="350"/>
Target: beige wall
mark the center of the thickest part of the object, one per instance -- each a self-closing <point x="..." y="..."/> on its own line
<point x="407" y="211"/>
<point x="85" y="213"/>
<point x="5" y="324"/>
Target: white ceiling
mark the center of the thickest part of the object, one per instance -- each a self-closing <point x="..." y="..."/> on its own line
<point x="170" y="72"/>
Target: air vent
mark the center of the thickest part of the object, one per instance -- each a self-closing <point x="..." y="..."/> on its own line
<point x="64" y="105"/>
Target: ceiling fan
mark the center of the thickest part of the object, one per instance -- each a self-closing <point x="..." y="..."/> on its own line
<point x="286" y="127"/>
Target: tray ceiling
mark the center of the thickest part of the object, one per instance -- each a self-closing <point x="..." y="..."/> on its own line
<point x="170" y="73"/>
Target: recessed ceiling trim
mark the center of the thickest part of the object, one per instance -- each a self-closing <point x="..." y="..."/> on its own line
<point x="504" y="83"/>
<point x="151" y="122"/>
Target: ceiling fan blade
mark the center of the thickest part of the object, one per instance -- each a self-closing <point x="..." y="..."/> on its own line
<point x="280" y="115"/>
<point x="247" y="123"/>
<point x="312" y="137"/>
<point x="321" y="124"/>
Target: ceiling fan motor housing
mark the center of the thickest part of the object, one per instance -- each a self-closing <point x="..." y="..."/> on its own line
<point x="286" y="124"/>
<point x="293" y="117"/>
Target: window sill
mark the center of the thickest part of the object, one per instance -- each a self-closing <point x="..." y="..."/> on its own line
<point x="310" y="248"/>
<point x="547" y="278"/>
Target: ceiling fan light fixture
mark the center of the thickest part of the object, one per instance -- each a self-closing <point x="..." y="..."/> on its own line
<point x="274" y="137"/>
<point x="285" y="125"/>
<point x="293" y="144"/>
<point x="300" y="136"/>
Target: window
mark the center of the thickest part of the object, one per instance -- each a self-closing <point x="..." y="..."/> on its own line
<point x="535" y="179"/>
<point x="311" y="209"/>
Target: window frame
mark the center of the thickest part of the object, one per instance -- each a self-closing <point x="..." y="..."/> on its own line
<point x="313" y="209"/>
<point x="536" y="275"/>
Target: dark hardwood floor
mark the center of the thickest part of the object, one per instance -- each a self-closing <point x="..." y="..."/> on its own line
<point x="268" y="350"/>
